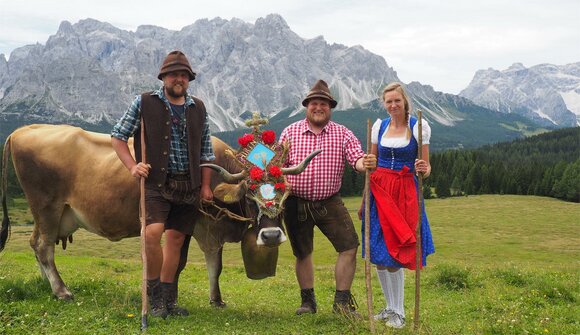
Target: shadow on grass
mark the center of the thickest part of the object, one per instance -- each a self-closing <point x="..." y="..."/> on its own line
<point x="453" y="278"/>
<point x="12" y="290"/>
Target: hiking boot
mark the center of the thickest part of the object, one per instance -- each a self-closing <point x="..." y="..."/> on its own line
<point x="345" y="304"/>
<point x="396" y="321"/>
<point x="170" y="298"/>
<point x="308" y="302"/>
<point x="155" y="295"/>
<point x="384" y="314"/>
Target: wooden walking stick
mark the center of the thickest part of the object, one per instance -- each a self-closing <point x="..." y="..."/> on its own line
<point x="142" y="220"/>
<point x="367" y="198"/>
<point x="419" y="256"/>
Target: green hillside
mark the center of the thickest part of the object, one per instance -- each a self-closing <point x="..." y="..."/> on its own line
<point x="479" y="126"/>
<point x="502" y="265"/>
<point x="547" y="164"/>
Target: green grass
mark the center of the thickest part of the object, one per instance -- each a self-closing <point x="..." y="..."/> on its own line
<point x="503" y="265"/>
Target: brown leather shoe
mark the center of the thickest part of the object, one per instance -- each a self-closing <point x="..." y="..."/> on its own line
<point x="170" y="298"/>
<point x="308" y="302"/>
<point x="155" y="295"/>
<point x="345" y="304"/>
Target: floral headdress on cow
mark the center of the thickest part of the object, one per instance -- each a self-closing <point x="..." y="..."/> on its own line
<point x="263" y="157"/>
<point x="262" y="178"/>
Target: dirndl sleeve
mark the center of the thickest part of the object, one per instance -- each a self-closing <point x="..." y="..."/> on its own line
<point x="426" y="131"/>
<point x="375" y="132"/>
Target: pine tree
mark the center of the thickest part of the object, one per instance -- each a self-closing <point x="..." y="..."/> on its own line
<point x="568" y="187"/>
<point x="442" y="188"/>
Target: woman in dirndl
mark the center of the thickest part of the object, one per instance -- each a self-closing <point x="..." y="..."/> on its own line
<point x="394" y="203"/>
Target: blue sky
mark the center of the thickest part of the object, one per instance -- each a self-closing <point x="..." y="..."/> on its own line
<point x="439" y="43"/>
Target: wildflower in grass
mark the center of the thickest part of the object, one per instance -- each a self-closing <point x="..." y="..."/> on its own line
<point x="130" y="315"/>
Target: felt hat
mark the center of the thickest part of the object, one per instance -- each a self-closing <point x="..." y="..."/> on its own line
<point x="319" y="90"/>
<point x="176" y="61"/>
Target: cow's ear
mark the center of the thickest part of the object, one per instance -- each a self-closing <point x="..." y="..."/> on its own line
<point x="229" y="193"/>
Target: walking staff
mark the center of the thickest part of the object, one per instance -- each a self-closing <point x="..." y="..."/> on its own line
<point x="367" y="235"/>
<point x="418" y="255"/>
<point x="142" y="217"/>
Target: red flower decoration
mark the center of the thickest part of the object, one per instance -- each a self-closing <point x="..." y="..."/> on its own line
<point x="268" y="136"/>
<point x="280" y="186"/>
<point x="256" y="173"/>
<point x="245" y="140"/>
<point x="275" y="171"/>
<point x="269" y="203"/>
<point x="253" y="186"/>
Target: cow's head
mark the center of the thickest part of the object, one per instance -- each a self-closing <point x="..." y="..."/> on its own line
<point x="262" y="181"/>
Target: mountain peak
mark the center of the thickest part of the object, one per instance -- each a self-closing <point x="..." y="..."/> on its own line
<point x="273" y="20"/>
<point x="516" y="67"/>
<point x="65" y="28"/>
<point x="543" y="93"/>
<point x="241" y="67"/>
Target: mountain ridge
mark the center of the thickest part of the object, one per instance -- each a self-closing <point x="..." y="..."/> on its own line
<point x="88" y="72"/>
<point x="546" y="93"/>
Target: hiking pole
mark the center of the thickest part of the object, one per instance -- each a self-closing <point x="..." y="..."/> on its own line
<point x="367" y="235"/>
<point x="418" y="254"/>
<point x="142" y="220"/>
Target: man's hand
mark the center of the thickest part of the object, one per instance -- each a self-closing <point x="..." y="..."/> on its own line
<point x="369" y="162"/>
<point x="206" y="194"/>
<point x="140" y="170"/>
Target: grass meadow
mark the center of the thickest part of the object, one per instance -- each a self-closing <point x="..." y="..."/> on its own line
<point x="503" y="265"/>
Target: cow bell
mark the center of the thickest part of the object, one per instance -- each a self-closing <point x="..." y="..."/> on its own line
<point x="259" y="261"/>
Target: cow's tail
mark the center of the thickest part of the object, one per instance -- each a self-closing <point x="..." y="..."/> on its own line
<point x="5" y="228"/>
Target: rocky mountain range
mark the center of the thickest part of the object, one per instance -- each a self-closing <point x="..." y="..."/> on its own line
<point x="88" y="73"/>
<point x="546" y="93"/>
<point x="92" y="70"/>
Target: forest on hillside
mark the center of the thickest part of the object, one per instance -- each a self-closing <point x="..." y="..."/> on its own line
<point x="545" y="165"/>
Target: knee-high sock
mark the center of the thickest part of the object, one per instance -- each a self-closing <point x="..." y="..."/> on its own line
<point x="397" y="284"/>
<point x="386" y="285"/>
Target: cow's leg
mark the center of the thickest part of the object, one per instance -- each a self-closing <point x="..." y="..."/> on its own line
<point x="43" y="246"/>
<point x="182" y="257"/>
<point x="213" y="261"/>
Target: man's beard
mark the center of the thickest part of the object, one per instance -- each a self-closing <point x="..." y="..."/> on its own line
<point x="171" y="92"/>
<point x="318" y="121"/>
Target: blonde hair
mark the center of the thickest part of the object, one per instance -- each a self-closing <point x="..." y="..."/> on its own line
<point x="398" y="87"/>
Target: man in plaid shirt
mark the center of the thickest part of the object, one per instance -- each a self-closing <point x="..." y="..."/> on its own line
<point x="315" y="199"/>
<point x="177" y="138"/>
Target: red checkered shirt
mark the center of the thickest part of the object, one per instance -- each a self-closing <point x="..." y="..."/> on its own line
<point x="323" y="176"/>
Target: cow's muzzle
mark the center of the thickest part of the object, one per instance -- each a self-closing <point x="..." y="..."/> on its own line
<point x="271" y="237"/>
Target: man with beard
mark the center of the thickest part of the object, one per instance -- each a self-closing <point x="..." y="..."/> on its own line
<point x="315" y="199"/>
<point x="177" y="141"/>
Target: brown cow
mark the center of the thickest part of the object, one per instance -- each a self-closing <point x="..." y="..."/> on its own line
<point x="73" y="179"/>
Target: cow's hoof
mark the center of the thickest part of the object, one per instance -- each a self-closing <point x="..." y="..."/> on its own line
<point x="217" y="303"/>
<point x="66" y="296"/>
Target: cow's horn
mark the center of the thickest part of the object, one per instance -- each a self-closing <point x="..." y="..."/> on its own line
<point x="228" y="177"/>
<point x="300" y="167"/>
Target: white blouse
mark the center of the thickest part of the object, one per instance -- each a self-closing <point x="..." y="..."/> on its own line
<point x="399" y="142"/>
